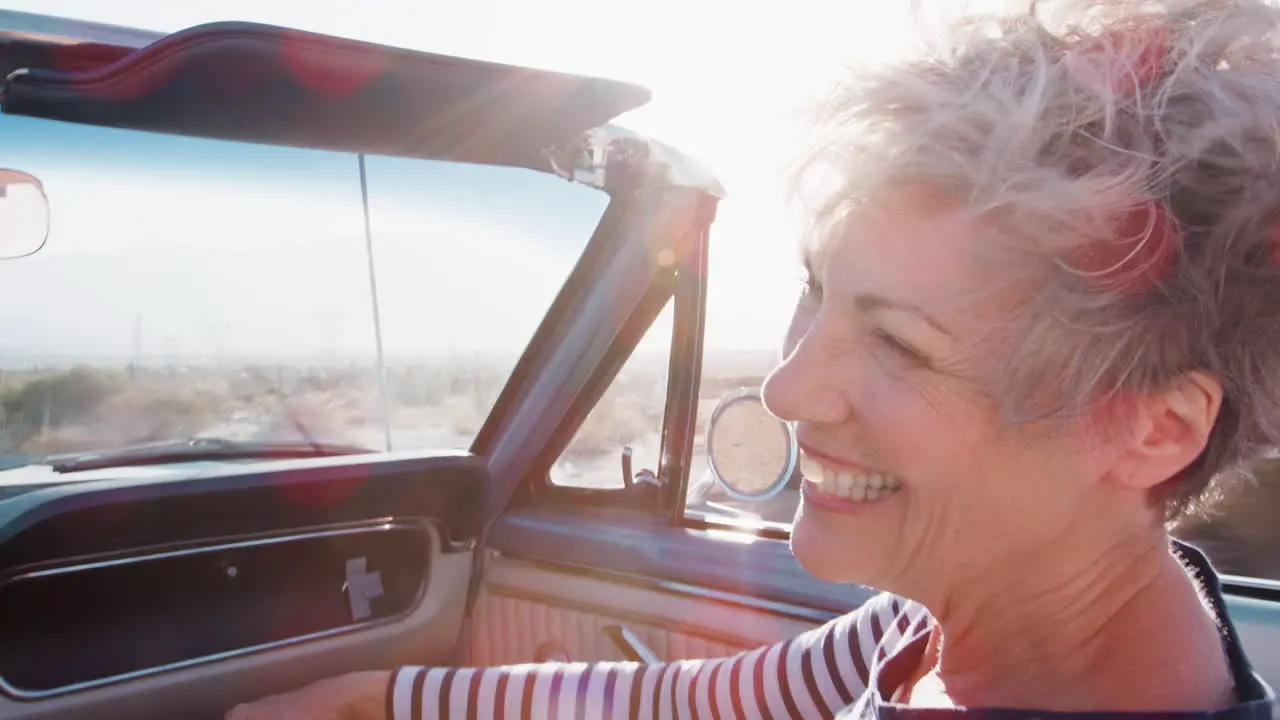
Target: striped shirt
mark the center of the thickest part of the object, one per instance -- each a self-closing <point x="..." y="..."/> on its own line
<point x="849" y="668"/>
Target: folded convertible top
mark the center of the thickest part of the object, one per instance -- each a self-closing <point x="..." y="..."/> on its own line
<point x="266" y="84"/>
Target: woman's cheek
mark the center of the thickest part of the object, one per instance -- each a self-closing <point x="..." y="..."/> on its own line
<point x="905" y="416"/>
<point x="888" y="409"/>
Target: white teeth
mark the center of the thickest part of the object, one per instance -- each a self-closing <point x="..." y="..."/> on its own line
<point x="845" y="484"/>
<point x="812" y="469"/>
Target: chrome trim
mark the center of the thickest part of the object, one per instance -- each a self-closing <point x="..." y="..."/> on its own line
<point x="1249" y="583"/>
<point x="697" y="519"/>
<point x="449" y="545"/>
<point x="382" y="526"/>
<point x="429" y="527"/>
<point x="788" y="433"/>
<point x="629" y="643"/>
<point x="661" y="163"/>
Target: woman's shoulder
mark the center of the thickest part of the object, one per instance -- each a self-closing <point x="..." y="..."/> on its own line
<point x="883" y="621"/>
<point x="887" y="607"/>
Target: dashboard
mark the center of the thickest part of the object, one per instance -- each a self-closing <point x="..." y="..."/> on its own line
<point x="109" y="582"/>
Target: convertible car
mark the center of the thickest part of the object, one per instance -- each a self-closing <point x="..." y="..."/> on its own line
<point x="179" y="534"/>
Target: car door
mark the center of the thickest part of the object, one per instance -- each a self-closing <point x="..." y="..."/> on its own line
<point x="692" y="572"/>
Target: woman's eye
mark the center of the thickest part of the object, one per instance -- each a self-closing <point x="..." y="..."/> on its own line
<point x="899" y="347"/>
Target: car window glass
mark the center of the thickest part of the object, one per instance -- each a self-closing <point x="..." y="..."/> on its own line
<point x="750" y="292"/>
<point x="195" y="287"/>
<point x="629" y="414"/>
<point x="469" y="258"/>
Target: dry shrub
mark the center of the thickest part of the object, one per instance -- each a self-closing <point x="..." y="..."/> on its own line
<point x="630" y="410"/>
<point x="64" y="397"/>
<point x="134" y="414"/>
<point x="62" y="440"/>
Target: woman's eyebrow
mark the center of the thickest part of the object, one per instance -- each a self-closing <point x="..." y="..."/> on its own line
<point x="869" y="302"/>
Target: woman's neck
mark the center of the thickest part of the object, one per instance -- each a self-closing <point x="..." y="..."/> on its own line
<point x="1118" y="632"/>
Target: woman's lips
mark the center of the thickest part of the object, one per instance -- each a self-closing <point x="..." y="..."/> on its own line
<point x="844" y="484"/>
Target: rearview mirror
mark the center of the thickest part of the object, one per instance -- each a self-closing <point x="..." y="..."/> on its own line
<point x="24" y="214"/>
<point x="751" y="453"/>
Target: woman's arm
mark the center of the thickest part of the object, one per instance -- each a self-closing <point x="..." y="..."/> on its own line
<point x="812" y="675"/>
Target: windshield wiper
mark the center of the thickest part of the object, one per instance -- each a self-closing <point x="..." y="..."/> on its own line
<point x="199" y="448"/>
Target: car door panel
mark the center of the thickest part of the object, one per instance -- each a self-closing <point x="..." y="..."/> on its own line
<point x="528" y="607"/>
<point x="177" y="591"/>
<point x="757" y="571"/>
<point x="427" y="636"/>
<point x="712" y="571"/>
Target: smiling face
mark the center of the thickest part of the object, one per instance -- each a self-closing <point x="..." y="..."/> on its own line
<point x="1043" y="383"/>
<point x="911" y="476"/>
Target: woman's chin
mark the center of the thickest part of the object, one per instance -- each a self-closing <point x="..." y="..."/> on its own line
<point x="827" y="555"/>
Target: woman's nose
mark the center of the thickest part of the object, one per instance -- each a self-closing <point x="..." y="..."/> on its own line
<point x="806" y="386"/>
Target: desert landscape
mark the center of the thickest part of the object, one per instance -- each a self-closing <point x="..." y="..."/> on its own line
<point x="47" y="408"/>
<point x="58" y="408"/>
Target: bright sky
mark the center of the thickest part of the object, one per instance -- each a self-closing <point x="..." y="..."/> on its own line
<point x="727" y="78"/>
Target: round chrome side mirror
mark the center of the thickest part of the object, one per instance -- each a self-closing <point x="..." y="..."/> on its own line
<point x="751" y="453"/>
<point x="24" y="214"/>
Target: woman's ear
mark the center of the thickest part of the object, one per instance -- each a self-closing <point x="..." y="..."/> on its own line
<point x="1170" y="430"/>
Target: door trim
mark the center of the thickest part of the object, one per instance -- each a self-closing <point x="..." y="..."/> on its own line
<point x="788" y="611"/>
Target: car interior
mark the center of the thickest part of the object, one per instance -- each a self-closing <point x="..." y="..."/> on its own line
<point x="177" y="578"/>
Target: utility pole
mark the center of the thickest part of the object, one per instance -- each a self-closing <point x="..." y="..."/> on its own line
<point x="137" y="347"/>
<point x="219" y="333"/>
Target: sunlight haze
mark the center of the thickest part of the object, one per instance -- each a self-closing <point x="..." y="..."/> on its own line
<point x="728" y="79"/>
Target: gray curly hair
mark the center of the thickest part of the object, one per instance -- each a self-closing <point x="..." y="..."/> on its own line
<point x="1129" y="155"/>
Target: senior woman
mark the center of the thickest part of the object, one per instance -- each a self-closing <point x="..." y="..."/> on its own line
<point x="1042" y="313"/>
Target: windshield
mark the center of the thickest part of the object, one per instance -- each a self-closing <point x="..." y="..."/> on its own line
<point x="205" y="288"/>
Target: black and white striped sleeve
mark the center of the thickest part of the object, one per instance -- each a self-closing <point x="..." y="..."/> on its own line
<point x="813" y="675"/>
